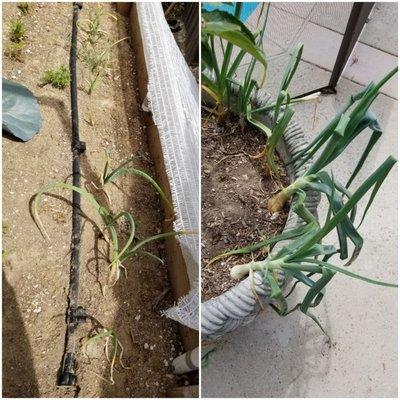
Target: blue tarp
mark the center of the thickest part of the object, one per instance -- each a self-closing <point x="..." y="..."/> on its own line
<point x="247" y="9"/>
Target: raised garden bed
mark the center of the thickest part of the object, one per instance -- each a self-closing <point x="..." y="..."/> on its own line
<point x="36" y="273"/>
<point x="228" y="304"/>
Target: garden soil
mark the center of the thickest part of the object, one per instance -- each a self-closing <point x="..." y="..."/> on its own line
<point x="235" y="191"/>
<point x="36" y="272"/>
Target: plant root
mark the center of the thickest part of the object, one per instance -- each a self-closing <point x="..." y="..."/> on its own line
<point x="259" y="155"/>
<point x="276" y="203"/>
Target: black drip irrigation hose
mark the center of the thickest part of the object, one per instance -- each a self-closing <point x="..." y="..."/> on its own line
<point x="75" y="313"/>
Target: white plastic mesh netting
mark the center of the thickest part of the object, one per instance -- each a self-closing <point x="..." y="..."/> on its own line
<point x="174" y="101"/>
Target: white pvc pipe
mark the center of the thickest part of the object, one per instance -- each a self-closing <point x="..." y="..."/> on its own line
<point x="186" y="362"/>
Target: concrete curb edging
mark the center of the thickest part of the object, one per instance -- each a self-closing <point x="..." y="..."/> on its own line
<point x="238" y="306"/>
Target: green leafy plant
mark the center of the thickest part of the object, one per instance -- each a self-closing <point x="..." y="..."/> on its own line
<point x="97" y="62"/>
<point x="119" y="252"/>
<point x="125" y="168"/>
<point x="333" y="141"/>
<point x="15" y="50"/>
<point x="220" y="81"/>
<point x="228" y="27"/>
<point x="305" y="256"/>
<point x="91" y="26"/>
<point x="24" y="7"/>
<point x="249" y="85"/>
<point x="114" y="353"/>
<point x="96" y="49"/>
<point x="17" y="31"/>
<point x="58" y="78"/>
<point x="282" y="110"/>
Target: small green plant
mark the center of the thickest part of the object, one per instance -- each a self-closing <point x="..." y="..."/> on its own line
<point x="98" y="62"/>
<point x="58" y="78"/>
<point x="305" y="256"/>
<point x="91" y="26"/>
<point x="15" y="47"/>
<point x="113" y="354"/>
<point x="15" y="50"/>
<point x="96" y="49"/>
<point x="124" y="168"/>
<point x="6" y="227"/>
<point x="282" y="111"/>
<point x="119" y="253"/>
<point x="24" y="7"/>
<point x="17" y="31"/>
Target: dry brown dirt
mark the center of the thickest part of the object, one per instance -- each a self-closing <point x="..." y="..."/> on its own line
<point x="36" y="272"/>
<point x="235" y="191"/>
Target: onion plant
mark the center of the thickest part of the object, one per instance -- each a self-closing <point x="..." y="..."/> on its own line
<point x="96" y="48"/>
<point x="249" y="85"/>
<point x="282" y="110"/>
<point x="305" y="256"/>
<point x="221" y="77"/>
<point x="91" y="27"/>
<point x="351" y="120"/>
<point x="117" y="349"/>
<point x="97" y="62"/>
<point x="119" y="252"/>
<point x="124" y="169"/>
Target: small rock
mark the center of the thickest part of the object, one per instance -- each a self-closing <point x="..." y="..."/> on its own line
<point x="274" y="216"/>
<point x="146" y="346"/>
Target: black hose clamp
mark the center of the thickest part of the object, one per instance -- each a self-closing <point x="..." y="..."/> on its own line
<point x="79" y="146"/>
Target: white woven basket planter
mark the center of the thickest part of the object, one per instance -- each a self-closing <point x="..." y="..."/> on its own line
<point x="238" y="306"/>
